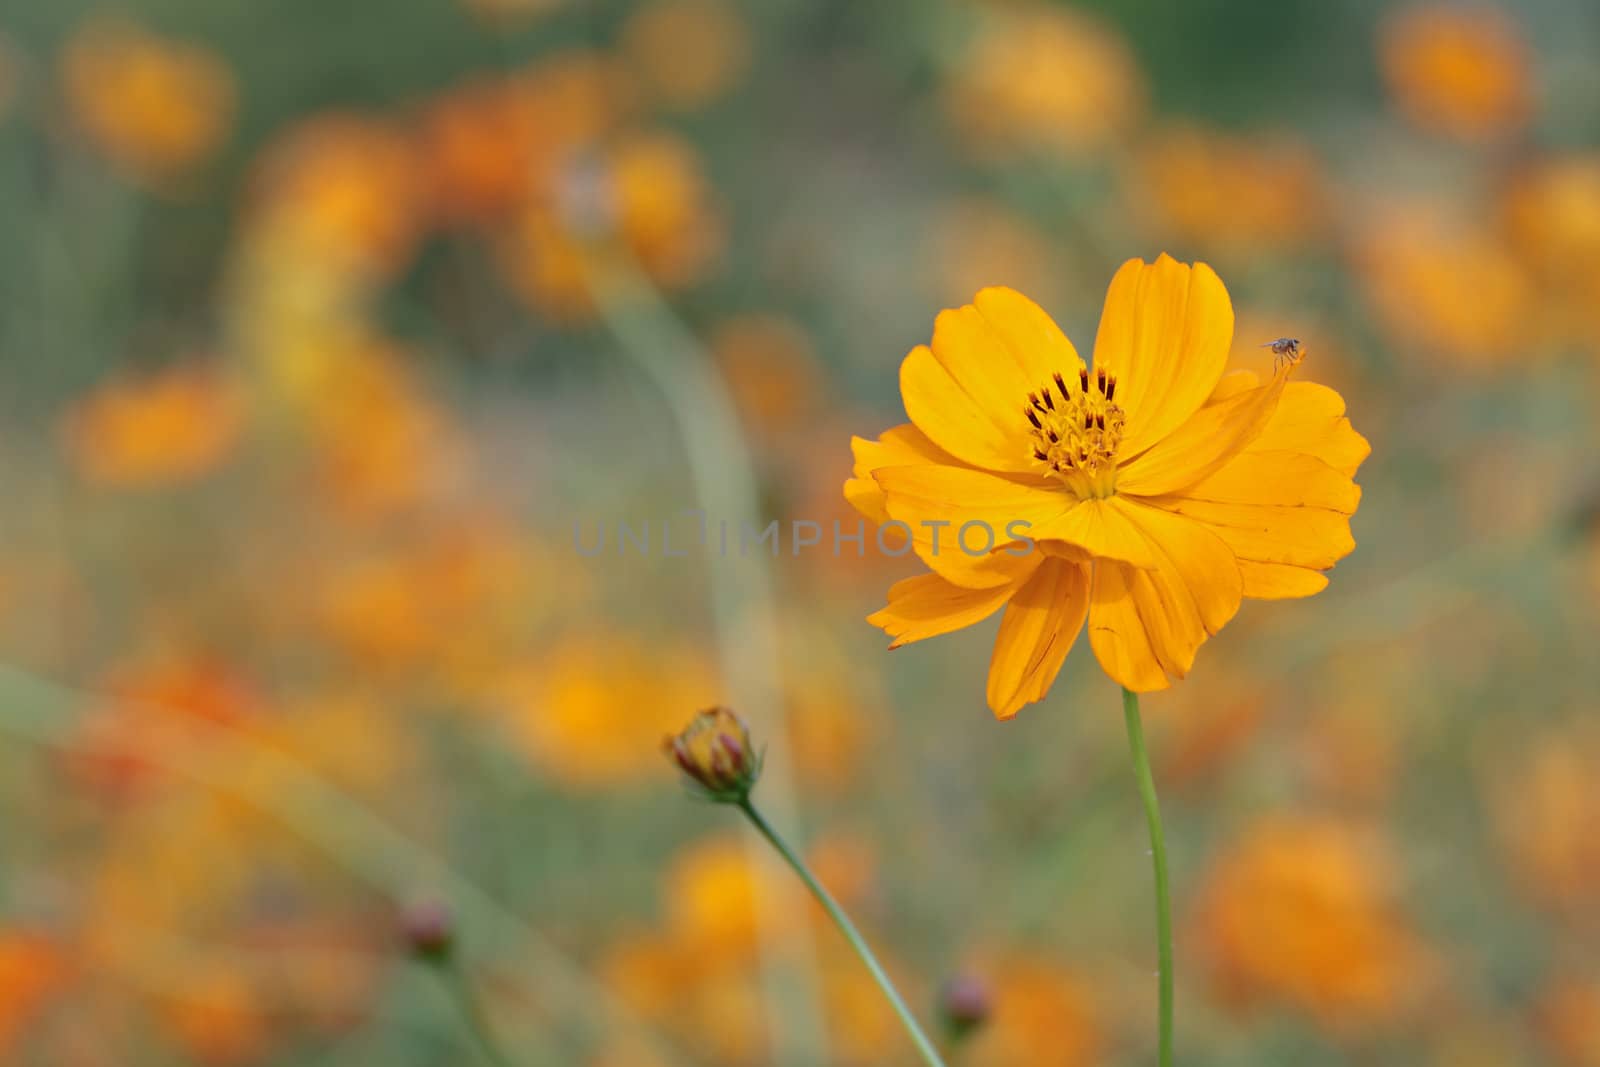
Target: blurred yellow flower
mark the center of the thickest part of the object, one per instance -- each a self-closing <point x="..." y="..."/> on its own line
<point x="1049" y="77"/>
<point x="1156" y="492"/>
<point x="1235" y="194"/>
<point x="710" y="892"/>
<point x="1301" y="911"/>
<point x="170" y="427"/>
<point x="593" y="710"/>
<point x="1460" y="71"/>
<point x="154" y="107"/>
<point x="688" y="53"/>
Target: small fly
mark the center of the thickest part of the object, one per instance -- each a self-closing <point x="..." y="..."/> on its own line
<point x="1284" y="348"/>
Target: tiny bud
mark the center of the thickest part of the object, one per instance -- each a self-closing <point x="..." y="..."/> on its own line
<point x="715" y="752"/>
<point x="428" y="928"/>
<point x="964" y="1004"/>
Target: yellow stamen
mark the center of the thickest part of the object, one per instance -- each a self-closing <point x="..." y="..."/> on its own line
<point x="1076" y="438"/>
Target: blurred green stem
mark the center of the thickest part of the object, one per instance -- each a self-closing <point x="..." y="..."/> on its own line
<point x="459" y="987"/>
<point x="929" y="1054"/>
<point x="1158" y="852"/>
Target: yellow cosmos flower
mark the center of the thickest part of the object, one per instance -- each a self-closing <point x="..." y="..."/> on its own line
<point x="1146" y="495"/>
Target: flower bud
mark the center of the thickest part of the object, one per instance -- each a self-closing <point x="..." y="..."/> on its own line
<point x="716" y="753"/>
<point x="428" y="929"/>
<point x="964" y="1005"/>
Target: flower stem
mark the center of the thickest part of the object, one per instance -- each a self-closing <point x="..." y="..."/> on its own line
<point x="1158" y="852"/>
<point x="459" y="988"/>
<point x="929" y="1054"/>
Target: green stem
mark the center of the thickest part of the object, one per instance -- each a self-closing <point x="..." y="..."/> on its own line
<point x="1158" y="852"/>
<point x="457" y="985"/>
<point x="929" y="1054"/>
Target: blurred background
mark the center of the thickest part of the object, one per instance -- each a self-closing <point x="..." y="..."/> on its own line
<point x="325" y="328"/>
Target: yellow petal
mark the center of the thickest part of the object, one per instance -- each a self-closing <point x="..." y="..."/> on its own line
<point x="1194" y="561"/>
<point x="1263" y="533"/>
<point x="1164" y="335"/>
<point x="901" y="445"/>
<point x="1277" y="581"/>
<point x="969" y="390"/>
<point x="1037" y="632"/>
<point x="1117" y="634"/>
<point x="939" y="502"/>
<point x="1283" y="479"/>
<point x="1232" y="384"/>
<point x="1310" y="419"/>
<point x="1212" y="436"/>
<point x="928" y="605"/>
<point x="1101" y="528"/>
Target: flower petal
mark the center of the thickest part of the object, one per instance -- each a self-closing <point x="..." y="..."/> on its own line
<point x="1102" y="528"/>
<point x="1038" y="630"/>
<point x="1310" y="419"/>
<point x="928" y="605"/>
<point x="1262" y="533"/>
<point x="1194" y="561"/>
<point x="968" y="391"/>
<point x="1211" y="437"/>
<point x="1278" y="581"/>
<point x="1117" y="634"/>
<point x="899" y="446"/>
<point x="1164" y="334"/>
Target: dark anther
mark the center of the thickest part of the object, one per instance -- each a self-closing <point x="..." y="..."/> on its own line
<point x="1111" y="387"/>
<point x="1049" y="398"/>
<point x="1100" y="380"/>
<point x="1083" y="378"/>
<point x="1062" y="385"/>
<point x="1100" y="421"/>
<point x="1038" y="453"/>
<point x="1032" y="418"/>
<point x="1054" y="438"/>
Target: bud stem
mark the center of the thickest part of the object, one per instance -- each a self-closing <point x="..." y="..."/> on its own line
<point x="459" y="987"/>
<point x="1158" y="853"/>
<point x="930" y="1055"/>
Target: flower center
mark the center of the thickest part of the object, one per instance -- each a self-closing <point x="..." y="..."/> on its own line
<point x="1075" y="432"/>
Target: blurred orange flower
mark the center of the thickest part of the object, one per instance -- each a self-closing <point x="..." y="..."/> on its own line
<point x="687" y="52"/>
<point x="1568" y="1014"/>
<point x="154" y="107"/>
<point x="164" y="429"/>
<point x="1461" y="71"/>
<point x="645" y="195"/>
<point x="344" y="191"/>
<point x="1046" y="77"/>
<point x="977" y="241"/>
<point x="218" y="1017"/>
<point x="32" y="967"/>
<point x="1546" y="809"/>
<point x="772" y="371"/>
<point x="1301" y="911"/>
<point x="1449" y="288"/>
<point x="479" y="143"/>
<point x="1044" y="1015"/>
<point x="1234" y="194"/>
<point x="1551" y="211"/>
<point x="1154" y="493"/>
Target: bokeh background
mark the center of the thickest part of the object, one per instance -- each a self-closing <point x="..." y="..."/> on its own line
<point x="322" y="327"/>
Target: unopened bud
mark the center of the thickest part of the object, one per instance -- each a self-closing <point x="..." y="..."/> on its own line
<point x="716" y="753"/>
<point x="429" y="929"/>
<point x="964" y="1005"/>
